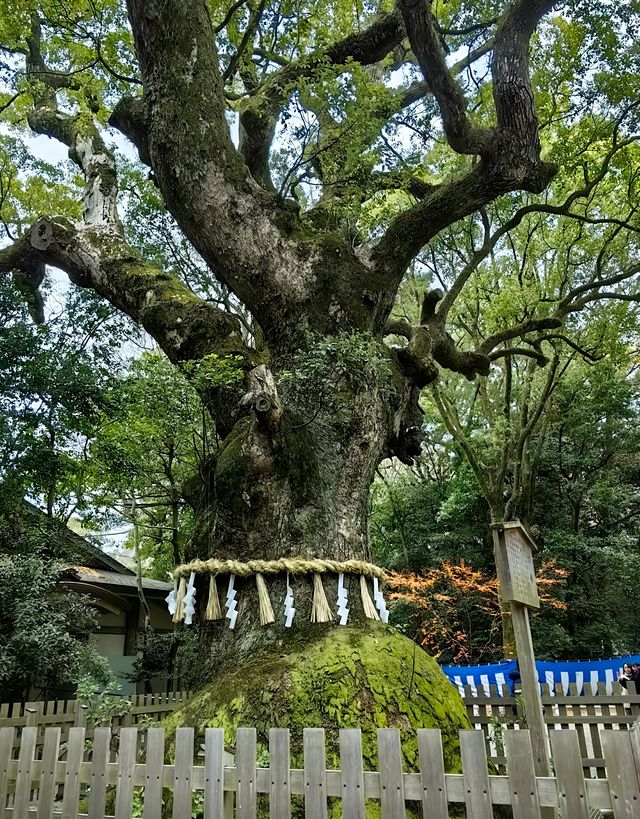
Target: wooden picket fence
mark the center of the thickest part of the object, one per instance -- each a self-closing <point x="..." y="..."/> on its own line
<point x="588" y="713"/>
<point x="93" y="783"/>
<point x="66" y="714"/>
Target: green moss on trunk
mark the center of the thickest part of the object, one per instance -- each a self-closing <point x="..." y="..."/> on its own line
<point x="346" y="678"/>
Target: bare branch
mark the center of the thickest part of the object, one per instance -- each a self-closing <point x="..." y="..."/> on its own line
<point x="258" y="121"/>
<point x="231" y="11"/>
<point x="247" y="37"/>
<point x="518" y="331"/>
<point x="591" y="291"/>
<point x="563" y="209"/>
<point x="509" y="352"/>
<point x="130" y="118"/>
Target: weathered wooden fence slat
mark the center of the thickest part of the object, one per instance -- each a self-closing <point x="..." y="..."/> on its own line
<point x="434" y="792"/>
<point x="126" y="764"/>
<point x="279" y="767"/>
<point x="391" y="780"/>
<point x="213" y="773"/>
<point x="352" y="775"/>
<point x="53" y="787"/>
<point x="154" y="774"/>
<point x="315" y="774"/>
<point x="23" y="779"/>
<point x="75" y="753"/>
<point x="477" y="793"/>
<point x="6" y="748"/>
<point x="623" y="778"/>
<point x="47" y="789"/>
<point x="183" y="774"/>
<point x="246" y="805"/>
<point x="99" y="768"/>
<point x="568" y="767"/>
<point x="522" y="778"/>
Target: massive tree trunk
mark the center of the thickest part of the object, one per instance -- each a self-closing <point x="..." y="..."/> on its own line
<point x="293" y="475"/>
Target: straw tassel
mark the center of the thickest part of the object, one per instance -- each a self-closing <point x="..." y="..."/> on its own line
<point x="367" y="602"/>
<point x="213" y="610"/>
<point x="266" y="609"/>
<point x="182" y="590"/>
<point x="320" y="611"/>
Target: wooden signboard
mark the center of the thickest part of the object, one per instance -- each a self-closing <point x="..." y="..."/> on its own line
<point x="514" y="561"/>
<point x="517" y="575"/>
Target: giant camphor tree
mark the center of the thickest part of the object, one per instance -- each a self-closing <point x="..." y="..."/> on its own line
<point x="308" y="222"/>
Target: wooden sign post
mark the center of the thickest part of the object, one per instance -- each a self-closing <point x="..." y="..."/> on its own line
<point x="514" y="562"/>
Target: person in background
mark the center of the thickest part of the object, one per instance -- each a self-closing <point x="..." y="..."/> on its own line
<point x="515" y="684"/>
<point x="630" y="673"/>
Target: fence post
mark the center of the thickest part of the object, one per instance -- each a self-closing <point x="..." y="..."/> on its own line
<point x="31" y="712"/>
<point x="634" y="736"/>
<point x="31" y="717"/>
<point x="81" y="716"/>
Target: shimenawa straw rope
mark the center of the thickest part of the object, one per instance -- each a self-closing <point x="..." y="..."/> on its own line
<point x="293" y="565"/>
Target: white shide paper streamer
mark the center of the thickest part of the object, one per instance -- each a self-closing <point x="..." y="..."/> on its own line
<point x="230" y="604"/>
<point x="289" y="611"/>
<point x="343" y="610"/>
<point x="190" y="600"/>
<point x="378" y="599"/>
<point x="172" y="598"/>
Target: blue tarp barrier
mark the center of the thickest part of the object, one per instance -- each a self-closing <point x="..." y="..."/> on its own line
<point x="585" y="674"/>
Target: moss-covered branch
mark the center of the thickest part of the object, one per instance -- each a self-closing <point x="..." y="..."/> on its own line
<point x="185" y="326"/>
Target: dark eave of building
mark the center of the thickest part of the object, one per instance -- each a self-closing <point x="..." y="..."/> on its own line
<point x="73" y="547"/>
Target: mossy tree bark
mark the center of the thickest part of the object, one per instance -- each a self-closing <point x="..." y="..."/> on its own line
<point x="308" y="422"/>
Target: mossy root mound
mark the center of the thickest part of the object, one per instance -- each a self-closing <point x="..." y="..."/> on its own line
<point x="344" y="678"/>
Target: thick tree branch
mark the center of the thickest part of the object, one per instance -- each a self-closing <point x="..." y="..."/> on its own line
<point x="239" y="229"/>
<point x="462" y="135"/>
<point x="398" y="327"/>
<point x="429" y="343"/>
<point x="88" y="151"/>
<point x="422" y="88"/>
<point x="512" y="94"/>
<point x="130" y="118"/>
<point x="97" y="257"/>
<point x="509" y="352"/>
<point x="510" y="154"/>
<point x="94" y="254"/>
<point x="86" y="147"/>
